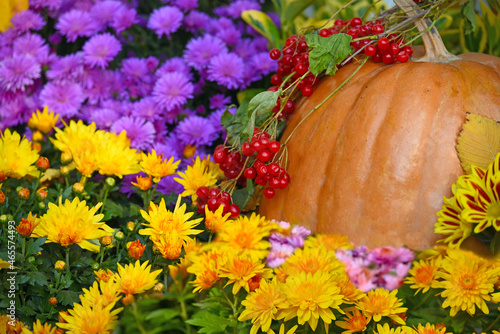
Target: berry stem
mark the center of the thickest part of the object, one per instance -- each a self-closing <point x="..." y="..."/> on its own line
<point x="435" y="50"/>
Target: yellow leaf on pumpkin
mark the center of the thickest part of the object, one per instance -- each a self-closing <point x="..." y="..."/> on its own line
<point x="478" y="142"/>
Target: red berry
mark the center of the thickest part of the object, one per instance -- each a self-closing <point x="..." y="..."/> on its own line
<point x="305" y="58"/>
<point x="274" y="183"/>
<point x="250" y="173"/>
<point x="290" y="40"/>
<point x="387" y="59"/>
<point x="353" y="32"/>
<point x="261" y="169"/>
<point x="260" y="180"/>
<point x="302" y="46"/>
<point x="357" y="44"/>
<point x="232" y="173"/>
<point x="234" y="210"/>
<point x="377" y="29"/>
<point x="370" y="50"/>
<point x="214" y="192"/>
<point x="276" y="80"/>
<point x="408" y="49"/>
<point x="283" y="183"/>
<point x="287" y="60"/>
<point x="275" y="54"/>
<point x="325" y="33"/>
<point x="307" y="90"/>
<point x="364" y="31"/>
<point x="226" y="196"/>
<point x="356" y="21"/>
<point x="288" y="51"/>
<point x="338" y="22"/>
<point x="269" y="193"/>
<point x="296" y="60"/>
<point x="377" y="57"/>
<point x="393" y="49"/>
<point x="264" y="155"/>
<point x="273" y="89"/>
<point x="220" y="155"/>
<point x="247" y="150"/>
<point x="264" y="141"/>
<point x="383" y="43"/>
<point x="274" y="146"/>
<point x="289" y="107"/>
<point x="202" y="192"/>
<point x="274" y="169"/>
<point x="256" y="145"/>
<point x="301" y="69"/>
<point x="392" y="37"/>
<point x="213" y="204"/>
<point x="402" y="57"/>
<point x="201" y="208"/>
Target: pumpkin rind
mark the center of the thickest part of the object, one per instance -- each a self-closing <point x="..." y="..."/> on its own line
<point x="375" y="161"/>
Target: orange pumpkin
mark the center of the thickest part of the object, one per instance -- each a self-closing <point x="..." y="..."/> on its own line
<point x="375" y="160"/>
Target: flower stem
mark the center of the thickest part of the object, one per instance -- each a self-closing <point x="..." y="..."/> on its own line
<point x="67" y="258"/>
<point x="490" y="327"/>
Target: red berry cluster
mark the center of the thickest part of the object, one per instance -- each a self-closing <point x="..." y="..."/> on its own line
<point x="263" y="171"/>
<point x="214" y="198"/>
<point x="294" y="57"/>
<point x="230" y="163"/>
<point x="388" y="49"/>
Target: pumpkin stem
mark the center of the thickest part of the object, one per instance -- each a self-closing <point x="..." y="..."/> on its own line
<point x="435" y="50"/>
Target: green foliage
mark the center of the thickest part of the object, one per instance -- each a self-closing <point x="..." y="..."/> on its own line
<point x="328" y="52"/>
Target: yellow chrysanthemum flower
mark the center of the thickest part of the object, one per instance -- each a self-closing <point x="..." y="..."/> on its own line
<point x="481" y="200"/>
<point x="43" y="121"/>
<point x="170" y="245"/>
<point x="17" y="159"/>
<point x="240" y="269"/>
<point x="154" y="165"/>
<point x="310" y="297"/>
<point x="92" y="150"/>
<point x="382" y="303"/>
<point x="206" y="268"/>
<point x="72" y="223"/>
<point x="263" y="304"/>
<point x="196" y="176"/>
<point x="332" y="241"/>
<point x="104" y="292"/>
<point x="311" y="260"/>
<point x="385" y="329"/>
<point x="164" y="222"/>
<point x="427" y="329"/>
<point x="245" y="236"/>
<point x="90" y="318"/>
<point x="467" y="282"/>
<point x="7" y="10"/>
<point x="423" y="275"/>
<point x="136" y="278"/>
<point x="353" y="322"/>
<point x="39" y="328"/>
<point x="350" y="292"/>
<point x="215" y="221"/>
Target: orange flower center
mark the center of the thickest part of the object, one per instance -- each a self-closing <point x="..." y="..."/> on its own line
<point x="424" y="275"/>
<point x="357" y="323"/>
<point x="468" y="282"/>
<point x="494" y="210"/>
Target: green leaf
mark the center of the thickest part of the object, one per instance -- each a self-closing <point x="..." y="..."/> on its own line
<point x="470" y="15"/>
<point x="38" y="278"/>
<point x="327" y="52"/>
<point x="261" y="104"/>
<point x="33" y="246"/>
<point x="209" y="322"/>
<point x="66" y="297"/>
<point x="112" y="209"/>
<point x="292" y="8"/>
<point x="242" y="196"/>
<point x="263" y="24"/>
<point x="162" y="315"/>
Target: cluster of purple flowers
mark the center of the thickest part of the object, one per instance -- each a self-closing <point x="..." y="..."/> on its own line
<point x="283" y="246"/>
<point x="166" y="102"/>
<point x="382" y="267"/>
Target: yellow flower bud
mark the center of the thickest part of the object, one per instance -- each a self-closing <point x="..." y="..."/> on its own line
<point x="37" y="136"/>
<point x="64" y="170"/>
<point x="66" y="157"/>
<point x="130" y="226"/>
<point x="60" y="265"/>
<point x="159" y="287"/>
<point x="78" y="187"/>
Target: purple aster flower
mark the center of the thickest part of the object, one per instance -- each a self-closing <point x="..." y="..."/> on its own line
<point x="175" y="64"/>
<point x="18" y="72"/>
<point x="171" y="147"/>
<point x="50" y="4"/>
<point x="227" y="70"/>
<point x="152" y="63"/>
<point x="220" y="24"/>
<point x="66" y="68"/>
<point x="76" y="23"/>
<point x="230" y="36"/>
<point x="278" y="254"/>
<point x="146" y="108"/>
<point x="55" y="38"/>
<point x="219" y="101"/>
<point x="27" y="20"/>
<point x="140" y="132"/>
<point x="199" y="51"/>
<point x="390" y="255"/>
<point x="172" y="90"/>
<point x="196" y="130"/>
<point x="34" y="45"/>
<point x="235" y="9"/>
<point x="104" y="11"/>
<point x="195" y="21"/>
<point x="165" y="20"/>
<point x="135" y="68"/>
<point x="123" y="19"/>
<point x="161" y="130"/>
<point x="186" y="5"/>
<point x="100" y="50"/>
<point x="263" y="64"/>
<point x="13" y="112"/>
<point x="244" y="48"/>
<point x="168" y="185"/>
<point x="65" y="99"/>
<point x="103" y="118"/>
<point x="105" y="84"/>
